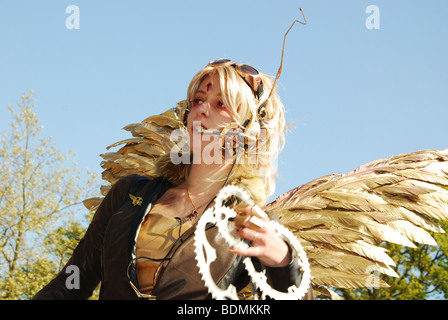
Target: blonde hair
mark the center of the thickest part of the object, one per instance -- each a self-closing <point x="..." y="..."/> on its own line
<point x="264" y="137"/>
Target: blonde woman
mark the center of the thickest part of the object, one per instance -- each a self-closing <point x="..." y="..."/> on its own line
<point x="145" y="250"/>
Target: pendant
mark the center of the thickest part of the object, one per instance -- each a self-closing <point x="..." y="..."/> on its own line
<point x="191" y="216"/>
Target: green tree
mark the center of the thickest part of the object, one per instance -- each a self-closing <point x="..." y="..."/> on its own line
<point x="423" y="273"/>
<point x="40" y="194"/>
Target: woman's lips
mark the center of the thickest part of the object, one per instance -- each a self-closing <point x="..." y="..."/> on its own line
<point x="211" y="131"/>
<point x="202" y="129"/>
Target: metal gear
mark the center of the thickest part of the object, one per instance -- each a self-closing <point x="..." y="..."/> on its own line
<point x="222" y="216"/>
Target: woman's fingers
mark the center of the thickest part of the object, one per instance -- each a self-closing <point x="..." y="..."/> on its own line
<point x="252" y="224"/>
<point x="258" y="212"/>
<point x="254" y="236"/>
<point x="251" y="217"/>
<point x="249" y="252"/>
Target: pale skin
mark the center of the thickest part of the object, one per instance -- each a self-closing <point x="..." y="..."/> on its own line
<point x="205" y="180"/>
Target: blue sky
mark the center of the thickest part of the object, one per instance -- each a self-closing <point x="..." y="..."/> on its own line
<point x="355" y="94"/>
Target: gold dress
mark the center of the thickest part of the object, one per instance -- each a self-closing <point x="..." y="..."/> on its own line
<point x="158" y="235"/>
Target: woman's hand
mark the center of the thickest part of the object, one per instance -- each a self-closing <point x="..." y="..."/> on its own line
<point x="267" y="246"/>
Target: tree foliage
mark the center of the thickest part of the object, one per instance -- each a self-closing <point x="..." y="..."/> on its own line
<point x="40" y="193"/>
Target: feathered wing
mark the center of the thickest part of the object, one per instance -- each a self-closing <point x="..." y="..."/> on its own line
<point x="137" y="155"/>
<point x="340" y="218"/>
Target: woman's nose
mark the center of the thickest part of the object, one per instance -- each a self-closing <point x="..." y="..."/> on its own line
<point x="203" y="109"/>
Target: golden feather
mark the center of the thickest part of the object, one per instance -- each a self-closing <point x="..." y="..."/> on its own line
<point x="385" y="200"/>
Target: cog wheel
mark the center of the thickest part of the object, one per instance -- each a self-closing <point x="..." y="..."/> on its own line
<point x="206" y="254"/>
<point x="222" y="217"/>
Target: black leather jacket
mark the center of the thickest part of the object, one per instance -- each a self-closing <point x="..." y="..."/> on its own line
<point x="105" y="252"/>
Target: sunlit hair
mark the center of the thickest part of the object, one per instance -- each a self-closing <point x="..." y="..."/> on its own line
<point x="264" y="138"/>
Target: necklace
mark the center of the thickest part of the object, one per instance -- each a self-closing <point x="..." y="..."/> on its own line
<point x="195" y="212"/>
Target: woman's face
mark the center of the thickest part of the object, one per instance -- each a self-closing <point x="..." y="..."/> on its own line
<point x="207" y="106"/>
<point x="207" y="112"/>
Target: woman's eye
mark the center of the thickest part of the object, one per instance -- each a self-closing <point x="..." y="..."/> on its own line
<point x="221" y="105"/>
<point x="196" y="101"/>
